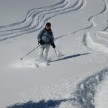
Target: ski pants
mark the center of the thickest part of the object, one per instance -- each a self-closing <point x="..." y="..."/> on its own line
<point x="43" y="52"/>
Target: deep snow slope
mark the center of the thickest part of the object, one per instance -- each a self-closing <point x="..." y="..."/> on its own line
<point x="80" y="29"/>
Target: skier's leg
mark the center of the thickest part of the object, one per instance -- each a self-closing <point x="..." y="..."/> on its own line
<point x="40" y="53"/>
<point x="47" y="47"/>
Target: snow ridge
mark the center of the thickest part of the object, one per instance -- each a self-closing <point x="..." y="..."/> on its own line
<point x="101" y="97"/>
<point x="86" y="89"/>
<point x="94" y="46"/>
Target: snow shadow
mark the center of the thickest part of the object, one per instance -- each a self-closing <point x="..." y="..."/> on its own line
<point x="70" y="56"/>
<point x="40" y="104"/>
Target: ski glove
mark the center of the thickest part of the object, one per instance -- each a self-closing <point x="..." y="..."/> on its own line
<point x="53" y="45"/>
<point x="41" y="42"/>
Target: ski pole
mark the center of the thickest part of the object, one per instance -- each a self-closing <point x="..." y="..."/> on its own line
<point x="29" y="53"/>
<point x="55" y="52"/>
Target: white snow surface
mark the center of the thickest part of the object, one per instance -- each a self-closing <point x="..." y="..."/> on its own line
<point x="95" y="46"/>
<point x="76" y="79"/>
<point x="101" y="97"/>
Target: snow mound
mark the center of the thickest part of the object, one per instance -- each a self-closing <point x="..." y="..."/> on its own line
<point x="42" y="64"/>
<point x="101" y="97"/>
<point x="23" y="64"/>
<point x="29" y="63"/>
<point x="104" y="35"/>
<point x="94" y="45"/>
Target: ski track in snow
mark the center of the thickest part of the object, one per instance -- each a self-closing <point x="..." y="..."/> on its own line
<point x="91" y="18"/>
<point x="92" y="26"/>
<point x="87" y="39"/>
<point x="94" y="46"/>
<point x="100" y="37"/>
<point x="36" y="18"/>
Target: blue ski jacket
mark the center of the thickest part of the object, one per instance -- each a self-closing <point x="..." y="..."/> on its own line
<point x="46" y="36"/>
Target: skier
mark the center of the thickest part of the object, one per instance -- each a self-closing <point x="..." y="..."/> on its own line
<point x="45" y="39"/>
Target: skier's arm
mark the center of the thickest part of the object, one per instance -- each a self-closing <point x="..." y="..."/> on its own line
<point x="52" y="42"/>
<point x="40" y="35"/>
<point x="40" y="38"/>
<point x="52" y="36"/>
